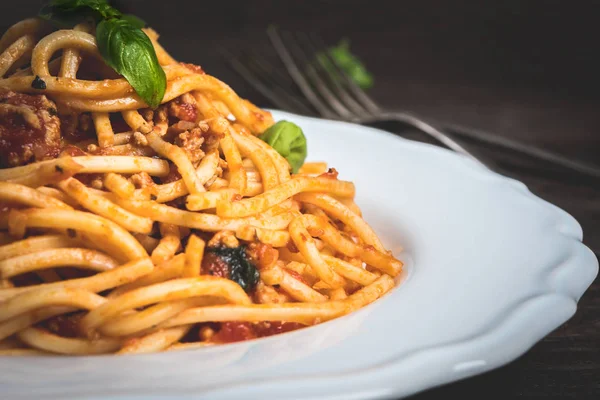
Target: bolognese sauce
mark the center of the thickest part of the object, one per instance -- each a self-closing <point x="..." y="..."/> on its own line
<point x="29" y="129"/>
<point x="238" y="331"/>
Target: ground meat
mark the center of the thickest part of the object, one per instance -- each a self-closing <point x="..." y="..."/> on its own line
<point x="180" y="127"/>
<point x="141" y="180"/>
<point x="183" y="108"/>
<point x="148" y="114"/>
<point x="77" y="127"/>
<point x="29" y="129"/>
<point x="262" y="255"/>
<point x="139" y="139"/>
<point x="191" y="142"/>
<point x="161" y="115"/>
<point x="65" y="325"/>
<point x="212" y="264"/>
<point x="264" y="294"/>
<point x="173" y="174"/>
<point x="211" y="141"/>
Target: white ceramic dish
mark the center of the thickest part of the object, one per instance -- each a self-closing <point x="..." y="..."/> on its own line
<point x="491" y="269"/>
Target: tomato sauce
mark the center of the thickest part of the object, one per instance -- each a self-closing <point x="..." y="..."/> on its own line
<point x="238" y="331"/>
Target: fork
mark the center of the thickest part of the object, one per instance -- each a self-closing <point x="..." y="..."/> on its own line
<point x="334" y="95"/>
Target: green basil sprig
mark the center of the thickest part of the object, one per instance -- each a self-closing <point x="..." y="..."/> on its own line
<point x="121" y="41"/>
<point x="348" y="62"/>
<point x="288" y="140"/>
<point x="69" y="12"/>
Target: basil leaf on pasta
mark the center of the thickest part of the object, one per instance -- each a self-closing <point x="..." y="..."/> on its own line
<point x="121" y="41"/>
<point x="70" y="12"/>
<point x="239" y="268"/>
<point x="288" y="140"/>
<point x="129" y="51"/>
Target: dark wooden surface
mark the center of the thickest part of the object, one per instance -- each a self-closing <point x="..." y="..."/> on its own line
<point x="521" y="69"/>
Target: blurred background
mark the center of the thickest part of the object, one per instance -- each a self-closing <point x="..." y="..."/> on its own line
<point x="521" y="69"/>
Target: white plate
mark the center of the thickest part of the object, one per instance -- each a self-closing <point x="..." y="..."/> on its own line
<point x="491" y="269"/>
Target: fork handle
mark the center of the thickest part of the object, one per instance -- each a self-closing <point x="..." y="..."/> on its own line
<point x="529" y="150"/>
<point x="426" y="128"/>
<point x="485" y="137"/>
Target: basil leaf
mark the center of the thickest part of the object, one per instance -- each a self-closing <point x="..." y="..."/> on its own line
<point x="74" y="5"/>
<point x="241" y="270"/>
<point x="129" y="51"/>
<point x="288" y="140"/>
<point x="67" y="17"/>
<point x="70" y="12"/>
<point x="348" y="62"/>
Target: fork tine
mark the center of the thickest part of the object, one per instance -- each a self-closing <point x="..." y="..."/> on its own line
<point x="305" y="87"/>
<point x="360" y="94"/>
<point x="376" y="113"/>
<point x="308" y="58"/>
<point x="421" y="125"/>
<point x="280" y="83"/>
<point x="247" y="75"/>
<point x="333" y="74"/>
<point x="271" y="76"/>
<point x="258" y="59"/>
<point x="277" y="95"/>
<point x="297" y="76"/>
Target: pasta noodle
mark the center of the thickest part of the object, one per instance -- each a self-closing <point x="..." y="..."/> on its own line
<point x="126" y="229"/>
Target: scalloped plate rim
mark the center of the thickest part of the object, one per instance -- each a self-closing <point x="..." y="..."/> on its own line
<point x="378" y="378"/>
<point x="393" y="391"/>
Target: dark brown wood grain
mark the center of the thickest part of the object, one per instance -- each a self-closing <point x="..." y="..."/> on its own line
<point x="527" y="70"/>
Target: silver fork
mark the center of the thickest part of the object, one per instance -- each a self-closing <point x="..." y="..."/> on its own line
<point x="334" y="95"/>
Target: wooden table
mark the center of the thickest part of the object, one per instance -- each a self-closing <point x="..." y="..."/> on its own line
<point x="517" y="68"/>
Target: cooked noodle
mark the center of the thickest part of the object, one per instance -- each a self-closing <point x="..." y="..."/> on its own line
<point x="115" y="239"/>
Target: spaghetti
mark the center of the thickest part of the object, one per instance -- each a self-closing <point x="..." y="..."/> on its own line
<point x="126" y="229"/>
